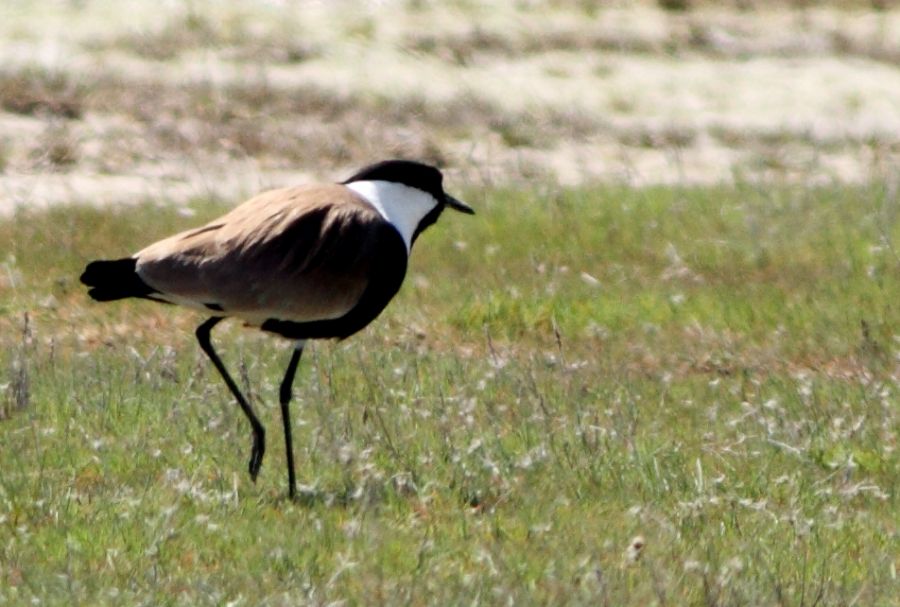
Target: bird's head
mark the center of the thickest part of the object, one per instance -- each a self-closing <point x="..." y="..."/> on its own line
<point x="409" y="194"/>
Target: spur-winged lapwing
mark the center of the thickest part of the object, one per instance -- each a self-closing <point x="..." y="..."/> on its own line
<point x="308" y="262"/>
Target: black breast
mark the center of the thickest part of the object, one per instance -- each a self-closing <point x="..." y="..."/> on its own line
<point x="387" y="268"/>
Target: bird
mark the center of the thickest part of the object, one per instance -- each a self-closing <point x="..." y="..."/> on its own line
<point x="315" y="261"/>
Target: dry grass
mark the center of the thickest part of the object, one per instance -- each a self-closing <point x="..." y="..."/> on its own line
<point x="571" y="91"/>
<point x="193" y="31"/>
<point x="298" y="126"/>
<point x="35" y="91"/>
<point x="722" y="34"/>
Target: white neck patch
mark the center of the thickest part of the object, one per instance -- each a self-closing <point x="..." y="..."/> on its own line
<point x="401" y="205"/>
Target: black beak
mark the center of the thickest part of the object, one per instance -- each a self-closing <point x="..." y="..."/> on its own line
<point x="458" y="205"/>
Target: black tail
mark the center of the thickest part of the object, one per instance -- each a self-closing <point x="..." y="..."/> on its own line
<point x="115" y="279"/>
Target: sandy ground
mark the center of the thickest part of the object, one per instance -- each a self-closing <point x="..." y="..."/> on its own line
<point x="113" y="102"/>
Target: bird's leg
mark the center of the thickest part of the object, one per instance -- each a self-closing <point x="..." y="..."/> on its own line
<point x="284" y="397"/>
<point x="259" y="433"/>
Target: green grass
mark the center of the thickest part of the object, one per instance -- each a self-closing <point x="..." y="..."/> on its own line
<point x="714" y="370"/>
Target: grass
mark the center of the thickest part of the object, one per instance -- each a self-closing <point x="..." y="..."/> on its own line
<point x="596" y="396"/>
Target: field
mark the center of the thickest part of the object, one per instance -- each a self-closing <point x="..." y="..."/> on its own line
<point x="666" y="376"/>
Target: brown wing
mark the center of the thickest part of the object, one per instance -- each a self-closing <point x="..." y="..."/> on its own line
<point x="298" y="254"/>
